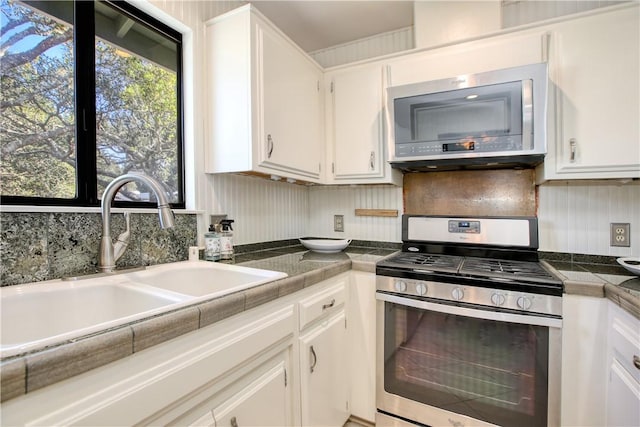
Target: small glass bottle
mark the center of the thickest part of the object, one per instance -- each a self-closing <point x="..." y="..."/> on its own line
<point x="211" y="245"/>
<point x="226" y="239"/>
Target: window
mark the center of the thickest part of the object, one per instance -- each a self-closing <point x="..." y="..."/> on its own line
<point x="86" y="100"/>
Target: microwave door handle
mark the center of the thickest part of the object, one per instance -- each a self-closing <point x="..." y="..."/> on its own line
<point x="471" y="312"/>
<point x="527" y="114"/>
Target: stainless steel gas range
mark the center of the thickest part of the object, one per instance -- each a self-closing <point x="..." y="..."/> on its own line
<point x="468" y="326"/>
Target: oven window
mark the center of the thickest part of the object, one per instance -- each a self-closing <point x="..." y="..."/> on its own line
<point x="483" y="113"/>
<point x="491" y="371"/>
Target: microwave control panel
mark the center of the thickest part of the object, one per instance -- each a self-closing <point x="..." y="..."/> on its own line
<point x="480" y="145"/>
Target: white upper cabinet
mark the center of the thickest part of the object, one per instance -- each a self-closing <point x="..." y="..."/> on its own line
<point x="356" y="126"/>
<point x="477" y="56"/>
<point x="594" y="67"/>
<point x="265" y="100"/>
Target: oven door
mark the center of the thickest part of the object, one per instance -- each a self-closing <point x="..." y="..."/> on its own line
<point x="449" y="365"/>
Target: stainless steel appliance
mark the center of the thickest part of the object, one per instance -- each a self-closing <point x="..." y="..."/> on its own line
<point x="483" y="119"/>
<point x="468" y="326"/>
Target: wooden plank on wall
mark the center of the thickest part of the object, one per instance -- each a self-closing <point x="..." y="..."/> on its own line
<point x="377" y="212"/>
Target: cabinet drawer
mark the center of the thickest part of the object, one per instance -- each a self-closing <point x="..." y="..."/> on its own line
<point x="625" y="343"/>
<point x="323" y="302"/>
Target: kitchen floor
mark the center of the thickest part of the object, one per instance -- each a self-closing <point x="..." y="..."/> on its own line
<point x="352" y="423"/>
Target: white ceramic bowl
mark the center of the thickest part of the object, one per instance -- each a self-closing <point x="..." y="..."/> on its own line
<point x="324" y="245"/>
<point x="631" y="264"/>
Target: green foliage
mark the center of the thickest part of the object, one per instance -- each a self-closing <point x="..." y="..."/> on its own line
<point x="136" y="110"/>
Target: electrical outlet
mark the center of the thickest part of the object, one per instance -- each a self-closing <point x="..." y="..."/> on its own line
<point x="620" y="234"/>
<point x="338" y="223"/>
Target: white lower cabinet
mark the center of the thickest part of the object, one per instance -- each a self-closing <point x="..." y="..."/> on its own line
<point x="584" y="332"/>
<point x="261" y="402"/>
<point x="284" y="363"/>
<point x="623" y="391"/>
<point x="361" y="336"/>
<point x="323" y="374"/>
<point x="261" y="397"/>
<point x="323" y="351"/>
<point x="623" y="405"/>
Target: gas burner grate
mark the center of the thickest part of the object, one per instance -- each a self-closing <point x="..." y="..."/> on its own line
<point x="515" y="270"/>
<point x="432" y="262"/>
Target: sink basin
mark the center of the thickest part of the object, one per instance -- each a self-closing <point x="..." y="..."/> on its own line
<point x="37" y="315"/>
<point x="203" y="278"/>
<point x="42" y="314"/>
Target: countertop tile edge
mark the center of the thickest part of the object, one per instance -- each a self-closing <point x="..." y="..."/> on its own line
<point x="599" y="288"/>
<point x="28" y="372"/>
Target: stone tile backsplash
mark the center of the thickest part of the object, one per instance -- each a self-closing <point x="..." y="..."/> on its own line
<point x="43" y="246"/>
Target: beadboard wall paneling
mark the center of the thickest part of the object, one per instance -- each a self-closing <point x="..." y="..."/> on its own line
<point x="381" y="44"/>
<point x="263" y="210"/>
<point x="516" y="12"/>
<point x="575" y="217"/>
<point x="327" y="201"/>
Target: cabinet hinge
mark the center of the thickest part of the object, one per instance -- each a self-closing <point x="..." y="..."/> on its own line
<point x="333" y="168"/>
<point x="345" y="323"/>
<point x="331" y="90"/>
<point x="285" y="377"/>
<point x="347" y="405"/>
<point x="318" y="85"/>
<point x="319" y="167"/>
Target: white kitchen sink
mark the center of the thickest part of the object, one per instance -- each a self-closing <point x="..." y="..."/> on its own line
<point x="40" y="314"/>
<point x="43" y="314"/>
<point x="203" y="278"/>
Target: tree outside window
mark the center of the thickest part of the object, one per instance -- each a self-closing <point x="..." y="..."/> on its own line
<point x="137" y="103"/>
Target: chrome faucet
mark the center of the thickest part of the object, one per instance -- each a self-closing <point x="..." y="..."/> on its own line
<point x="110" y="252"/>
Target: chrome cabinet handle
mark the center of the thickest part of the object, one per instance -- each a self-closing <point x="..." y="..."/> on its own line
<point x="234" y="422"/>
<point x="315" y="359"/>
<point x="572" y="146"/>
<point x="636" y="361"/>
<point x="331" y="304"/>
<point x="269" y="146"/>
<point x="372" y="160"/>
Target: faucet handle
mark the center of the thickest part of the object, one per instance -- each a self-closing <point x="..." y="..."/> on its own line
<point x="123" y="239"/>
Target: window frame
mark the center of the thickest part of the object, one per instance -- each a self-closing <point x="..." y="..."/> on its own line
<point x="84" y="36"/>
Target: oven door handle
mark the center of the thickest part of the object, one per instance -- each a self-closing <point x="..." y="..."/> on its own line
<point x="498" y="316"/>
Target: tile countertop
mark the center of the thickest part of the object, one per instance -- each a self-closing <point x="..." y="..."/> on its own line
<point x="28" y="372"/>
<point x="600" y="280"/>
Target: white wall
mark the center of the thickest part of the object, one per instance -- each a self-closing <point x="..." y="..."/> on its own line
<point x="517" y="12"/>
<point x="263" y="210"/>
<point x="574" y="217"/>
<point x="443" y="22"/>
<point x="378" y="45"/>
<point x="327" y="201"/>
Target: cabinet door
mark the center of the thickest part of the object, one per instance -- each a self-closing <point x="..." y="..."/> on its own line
<point x="595" y="64"/>
<point x="623" y="404"/>
<point x="323" y="374"/>
<point x="357" y="117"/>
<point x="289" y="86"/>
<point x="263" y="402"/>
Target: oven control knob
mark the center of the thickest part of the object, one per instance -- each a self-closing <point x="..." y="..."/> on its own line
<point x="401" y="286"/>
<point x="498" y="299"/>
<point x="421" y="288"/>
<point x="457" y="294"/>
<point x="524" y="303"/>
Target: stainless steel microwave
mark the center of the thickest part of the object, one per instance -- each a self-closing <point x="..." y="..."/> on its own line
<point x="477" y="120"/>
